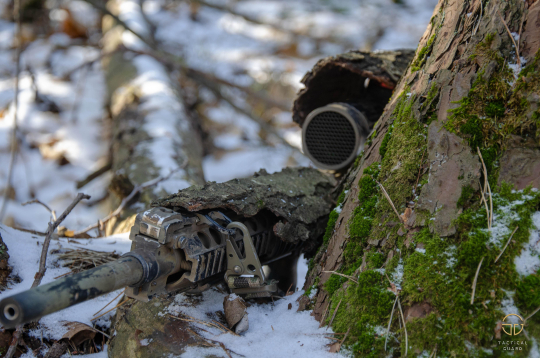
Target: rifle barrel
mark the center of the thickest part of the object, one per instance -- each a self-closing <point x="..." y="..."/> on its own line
<point x="37" y="302"/>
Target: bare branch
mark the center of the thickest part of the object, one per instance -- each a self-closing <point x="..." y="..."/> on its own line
<point x="42" y="263"/>
<point x="36" y="201"/>
<point x="128" y="198"/>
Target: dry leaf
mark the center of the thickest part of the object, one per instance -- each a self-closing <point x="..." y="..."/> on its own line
<point x="236" y="313"/>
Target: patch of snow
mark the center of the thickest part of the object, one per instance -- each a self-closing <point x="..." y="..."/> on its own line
<point x="528" y="262"/>
<point x="25" y="251"/>
<point x="288" y="332"/>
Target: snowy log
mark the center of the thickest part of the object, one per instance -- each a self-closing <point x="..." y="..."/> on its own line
<point x="152" y="133"/>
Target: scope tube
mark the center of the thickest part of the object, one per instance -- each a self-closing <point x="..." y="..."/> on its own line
<point x="42" y="300"/>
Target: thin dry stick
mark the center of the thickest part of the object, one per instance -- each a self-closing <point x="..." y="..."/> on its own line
<point x="475" y="279"/>
<point x="36" y="201"/>
<point x="512" y="38"/>
<point x="390" y="322"/>
<point x="278" y="28"/>
<point x="109" y="302"/>
<point x="335" y="312"/>
<point x="532" y="314"/>
<point x="225" y="349"/>
<point x="128" y="198"/>
<point x="487" y="210"/>
<point x="404" y="327"/>
<point x="504" y="248"/>
<point x="14" y="139"/>
<point x="486" y="182"/>
<point x="344" y="338"/>
<point x="115" y="307"/>
<point x="480" y="19"/>
<point x="389" y="201"/>
<point x="324" y="315"/>
<point x="192" y="319"/>
<point x="342" y="275"/>
<point x="226" y="328"/>
<point x="42" y="263"/>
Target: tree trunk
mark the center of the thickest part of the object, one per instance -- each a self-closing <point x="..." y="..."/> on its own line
<point x="152" y="133"/>
<point x="463" y="93"/>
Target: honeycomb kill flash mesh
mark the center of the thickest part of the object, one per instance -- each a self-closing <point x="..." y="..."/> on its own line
<point x="330" y="138"/>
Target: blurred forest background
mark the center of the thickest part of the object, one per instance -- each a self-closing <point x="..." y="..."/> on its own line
<point x="230" y="69"/>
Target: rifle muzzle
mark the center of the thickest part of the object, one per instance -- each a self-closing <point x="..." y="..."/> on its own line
<point x="35" y="303"/>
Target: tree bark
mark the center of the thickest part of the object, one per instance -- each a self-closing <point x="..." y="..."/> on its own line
<point x="463" y="93"/>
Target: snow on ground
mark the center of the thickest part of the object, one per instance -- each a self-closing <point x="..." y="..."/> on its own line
<point x="25" y="251"/>
<point x="274" y="330"/>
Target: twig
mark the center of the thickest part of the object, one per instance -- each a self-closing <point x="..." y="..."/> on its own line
<point x="106" y="11"/>
<point x="227" y="328"/>
<point x="404" y="327"/>
<point x="225" y="349"/>
<point x="475" y="279"/>
<point x="273" y="26"/>
<point x="200" y="321"/>
<point x="512" y="38"/>
<point x="532" y="314"/>
<point x="109" y="302"/>
<point x="390" y="322"/>
<point x="344" y="338"/>
<point x="128" y="198"/>
<point x="486" y="183"/>
<point x="115" y="307"/>
<point x="36" y="201"/>
<point x="14" y="139"/>
<point x="100" y="171"/>
<point x="167" y="57"/>
<point x="390" y="201"/>
<point x="335" y="312"/>
<point x="324" y="315"/>
<point x="50" y="231"/>
<point x="68" y="74"/>
<point x="43" y="261"/>
<point x="504" y="248"/>
<point x="30" y="231"/>
<point x="480" y="19"/>
<point x="216" y="90"/>
<point x="342" y="275"/>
